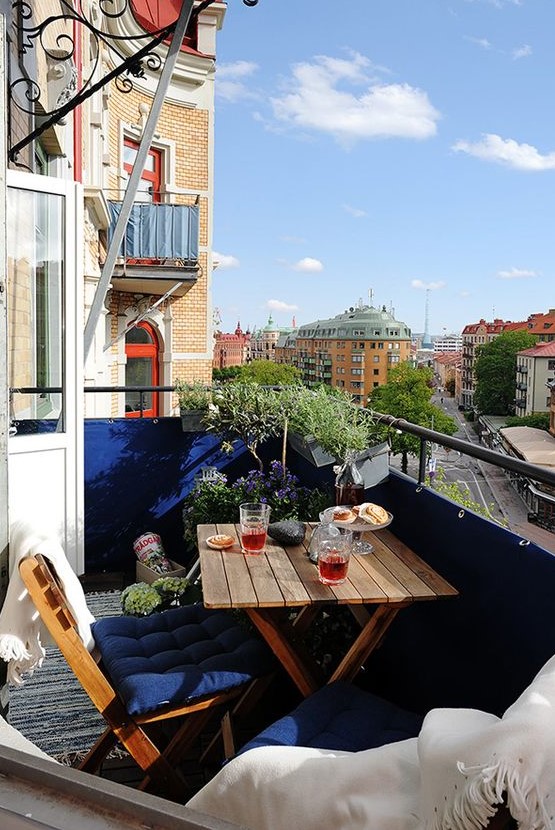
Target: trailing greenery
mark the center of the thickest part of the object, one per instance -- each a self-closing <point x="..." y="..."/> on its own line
<point x="215" y="500"/>
<point x="142" y="599"/>
<point x="454" y="491"/>
<point x="407" y="394"/>
<point x="495" y="371"/>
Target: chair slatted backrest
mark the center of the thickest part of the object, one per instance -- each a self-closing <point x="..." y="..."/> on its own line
<point x="51" y="603"/>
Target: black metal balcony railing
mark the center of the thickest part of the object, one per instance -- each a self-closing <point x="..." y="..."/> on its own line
<point x="159" y="232"/>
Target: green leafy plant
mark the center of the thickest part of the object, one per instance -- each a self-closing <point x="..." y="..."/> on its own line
<point x="248" y="412"/>
<point x="192" y="396"/>
<point x="330" y="417"/>
<point x="142" y="599"/>
<point x="215" y="500"/>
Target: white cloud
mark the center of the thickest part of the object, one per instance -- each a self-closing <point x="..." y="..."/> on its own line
<point x="483" y="42"/>
<point x="356" y="212"/>
<point x="224" y="260"/>
<point x="507" y="151"/>
<point x="516" y="274"/>
<point x="229" y="81"/>
<point x="309" y="265"/>
<point x="432" y="286"/>
<point x="521" y="51"/>
<point x="279" y="305"/>
<point x="318" y="98"/>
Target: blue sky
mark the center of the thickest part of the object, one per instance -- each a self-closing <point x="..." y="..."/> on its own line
<point x="385" y="146"/>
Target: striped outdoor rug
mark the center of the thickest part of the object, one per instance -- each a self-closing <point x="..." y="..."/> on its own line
<point x="51" y="709"/>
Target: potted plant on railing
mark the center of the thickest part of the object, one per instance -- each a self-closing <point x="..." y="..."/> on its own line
<point x="327" y="421"/>
<point x="245" y="411"/>
<point x="194" y="401"/>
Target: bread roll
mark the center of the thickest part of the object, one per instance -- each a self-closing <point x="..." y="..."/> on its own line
<point x="220" y="541"/>
<point x="374" y="514"/>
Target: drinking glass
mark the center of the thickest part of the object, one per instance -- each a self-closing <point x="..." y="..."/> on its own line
<point x="254" y="518"/>
<point x="334" y="553"/>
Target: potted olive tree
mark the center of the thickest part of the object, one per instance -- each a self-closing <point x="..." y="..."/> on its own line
<point x="194" y="401"/>
<point x="248" y="412"/>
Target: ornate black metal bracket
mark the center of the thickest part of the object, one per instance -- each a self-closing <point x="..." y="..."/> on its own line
<point x="56" y="37"/>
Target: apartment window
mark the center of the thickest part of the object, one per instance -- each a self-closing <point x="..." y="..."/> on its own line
<point x="550" y="365"/>
<point x="357" y="358"/>
<point x="376" y="372"/>
<point x="151" y="177"/>
<point x="380" y="345"/>
<point x="376" y="383"/>
<point x="141" y="369"/>
<point x="36" y="258"/>
<point x="376" y="358"/>
<point x="356" y="371"/>
<point x="372" y="345"/>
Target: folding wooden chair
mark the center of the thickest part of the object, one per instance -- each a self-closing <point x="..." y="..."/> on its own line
<point x="146" y="670"/>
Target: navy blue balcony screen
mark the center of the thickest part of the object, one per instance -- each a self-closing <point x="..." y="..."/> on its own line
<point x="159" y="231"/>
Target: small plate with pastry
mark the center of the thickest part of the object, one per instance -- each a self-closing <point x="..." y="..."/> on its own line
<point x="367" y="516"/>
<point x="221" y="541"/>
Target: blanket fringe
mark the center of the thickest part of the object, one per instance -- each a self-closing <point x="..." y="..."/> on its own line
<point x="487" y="787"/>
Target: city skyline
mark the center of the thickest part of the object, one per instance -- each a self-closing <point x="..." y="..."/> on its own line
<point x="397" y="148"/>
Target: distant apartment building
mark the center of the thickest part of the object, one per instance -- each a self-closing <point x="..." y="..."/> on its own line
<point x="474" y="335"/>
<point x="448" y="343"/>
<point x="264" y="341"/>
<point x="352" y="351"/>
<point x="232" y="349"/>
<point x="445" y="367"/>
<point x="542" y="325"/>
<point x="535" y="372"/>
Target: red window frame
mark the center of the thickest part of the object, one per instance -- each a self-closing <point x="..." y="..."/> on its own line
<point x="154" y="176"/>
<point x="151" y="350"/>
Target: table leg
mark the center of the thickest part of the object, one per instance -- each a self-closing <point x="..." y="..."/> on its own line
<point x="294" y="658"/>
<point x="366" y="642"/>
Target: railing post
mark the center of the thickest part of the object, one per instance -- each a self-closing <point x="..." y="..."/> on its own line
<point x="422" y="461"/>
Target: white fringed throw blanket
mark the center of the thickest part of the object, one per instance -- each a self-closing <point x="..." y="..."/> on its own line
<point x="20" y="638"/>
<point x="453" y="776"/>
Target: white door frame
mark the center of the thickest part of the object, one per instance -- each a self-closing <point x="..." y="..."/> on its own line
<point x="32" y="458"/>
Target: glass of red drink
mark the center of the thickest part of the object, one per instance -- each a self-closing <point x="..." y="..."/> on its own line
<point x="254" y="518"/>
<point x="334" y="553"/>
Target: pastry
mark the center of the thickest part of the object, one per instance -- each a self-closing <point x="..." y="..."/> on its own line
<point x="343" y="514"/>
<point x="220" y="541"/>
<point x="374" y="514"/>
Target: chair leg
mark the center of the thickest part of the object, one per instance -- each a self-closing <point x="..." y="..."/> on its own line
<point x="246" y="702"/>
<point x="97" y="754"/>
<point x="182" y="740"/>
<point x="227" y="736"/>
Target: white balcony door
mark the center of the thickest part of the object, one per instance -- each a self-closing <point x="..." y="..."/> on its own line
<point x="45" y="357"/>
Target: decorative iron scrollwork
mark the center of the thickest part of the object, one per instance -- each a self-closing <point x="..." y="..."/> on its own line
<point x="56" y="37"/>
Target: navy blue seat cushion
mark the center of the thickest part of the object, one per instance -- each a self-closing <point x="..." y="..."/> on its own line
<point x="342" y="717"/>
<point x="177" y="656"/>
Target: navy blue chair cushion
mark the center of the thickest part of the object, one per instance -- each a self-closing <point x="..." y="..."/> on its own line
<point x="342" y="717"/>
<point x="177" y="656"/>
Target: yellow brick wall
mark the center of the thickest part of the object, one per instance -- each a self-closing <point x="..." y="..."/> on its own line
<point x="188" y="128"/>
